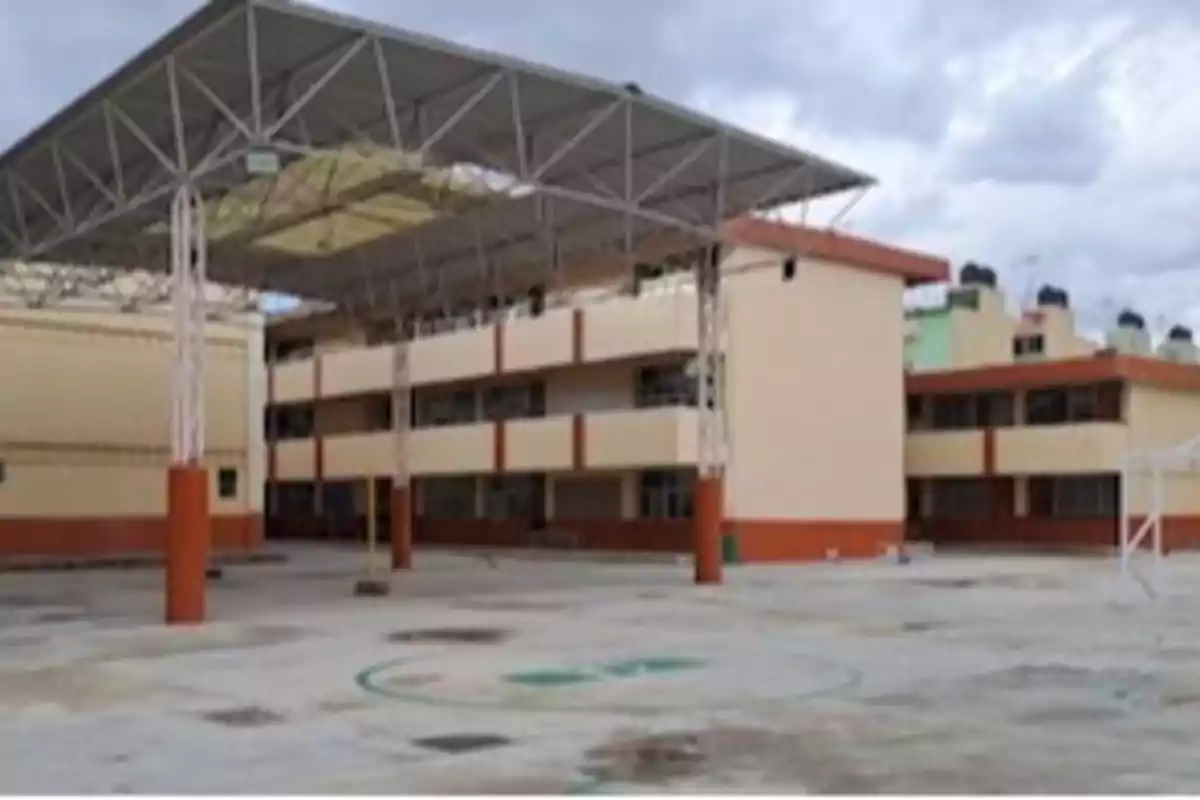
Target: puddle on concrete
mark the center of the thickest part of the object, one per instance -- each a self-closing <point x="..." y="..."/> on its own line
<point x="476" y="635"/>
<point x="243" y="717"/>
<point x="456" y="743"/>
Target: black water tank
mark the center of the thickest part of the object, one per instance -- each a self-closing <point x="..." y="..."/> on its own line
<point x="1179" y="333"/>
<point x="1052" y="296"/>
<point x="1131" y="319"/>
<point x="970" y="274"/>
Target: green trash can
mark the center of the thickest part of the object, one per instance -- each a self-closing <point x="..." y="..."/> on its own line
<point x="730" y="553"/>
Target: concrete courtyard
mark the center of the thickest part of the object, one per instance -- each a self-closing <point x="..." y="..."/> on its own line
<point x="520" y="675"/>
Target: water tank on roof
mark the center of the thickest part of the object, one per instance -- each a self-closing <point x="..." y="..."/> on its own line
<point x="1179" y="333"/>
<point x="1131" y="319"/>
<point x="1053" y="296"/>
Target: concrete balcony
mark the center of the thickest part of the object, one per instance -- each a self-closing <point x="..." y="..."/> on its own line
<point x="632" y="327"/>
<point x="539" y="445"/>
<point x="293" y="381"/>
<point x="453" y="450"/>
<point x="295" y="460"/>
<point x="944" y="453"/>
<point x="356" y="371"/>
<point x="543" y="342"/>
<point x="359" y="455"/>
<point x="640" y="438"/>
<point x="1061" y="449"/>
<point x="454" y="356"/>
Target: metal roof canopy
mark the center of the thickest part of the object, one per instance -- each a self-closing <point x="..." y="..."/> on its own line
<point x="410" y="167"/>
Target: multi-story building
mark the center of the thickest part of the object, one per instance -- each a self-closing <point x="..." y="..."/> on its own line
<point x="84" y="431"/>
<point x="1019" y="426"/>
<point x="570" y="422"/>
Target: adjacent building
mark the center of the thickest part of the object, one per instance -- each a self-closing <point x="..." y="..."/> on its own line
<point x="568" y="420"/>
<point x="84" y="431"/>
<point x="1019" y="426"/>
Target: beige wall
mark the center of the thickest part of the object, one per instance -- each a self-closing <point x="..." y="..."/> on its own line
<point x="1161" y="418"/>
<point x="539" y="342"/>
<point x="981" y="336"/>
<point x="84" y="413"/>
<point x="815" y="388"/>
<point x="1061" y="449"/>
<point x="943" y="453"/>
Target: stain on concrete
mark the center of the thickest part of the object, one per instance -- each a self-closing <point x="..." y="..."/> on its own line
<point x="243" y="717"/>
<point x="466" y="635"/>
<point x="455" y="743"/>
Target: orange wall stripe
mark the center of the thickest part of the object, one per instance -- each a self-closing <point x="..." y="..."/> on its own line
<point x="498" y="347"/>
<point x="578" y="442"/>
<point x="318" y="438"/>
<point x="989" y="451"/>
<point x="499" y="446"/>
<point x="577" y="336"/>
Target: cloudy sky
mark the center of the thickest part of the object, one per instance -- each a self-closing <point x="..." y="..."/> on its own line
<point x="1058" y="140"/>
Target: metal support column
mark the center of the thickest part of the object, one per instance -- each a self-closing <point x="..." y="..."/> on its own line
<point x="187" y="482"/>
<point x="401" y="506"/>
<point x="709" y="492"/>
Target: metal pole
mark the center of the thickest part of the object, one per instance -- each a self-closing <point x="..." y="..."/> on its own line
<point x="372" y="528"/>
<point x="708" y="511"/>
<point x="1123" y="523"/>
<point x="187" y="483"/>
<point x="401" y="505"/>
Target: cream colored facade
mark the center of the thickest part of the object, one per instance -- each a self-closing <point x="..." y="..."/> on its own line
<point x="812" y="380"/>
<point x="84" y="430"/>
<point x="1061" y="422"/>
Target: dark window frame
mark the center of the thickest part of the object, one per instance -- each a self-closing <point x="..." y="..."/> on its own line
<point x="228" y="483"/>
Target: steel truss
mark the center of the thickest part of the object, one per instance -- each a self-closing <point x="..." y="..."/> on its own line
<point x="524" y="170"/>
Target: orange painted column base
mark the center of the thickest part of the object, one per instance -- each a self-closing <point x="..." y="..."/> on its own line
<point x="707" y="522"/>
<point x="401" y="514"/>
<point x="187" y="543"/>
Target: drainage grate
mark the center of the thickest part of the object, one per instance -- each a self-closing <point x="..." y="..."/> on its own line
<point x="243" y="717"/>
<point x="449" y="636"/>
<point x="455" y="743"/>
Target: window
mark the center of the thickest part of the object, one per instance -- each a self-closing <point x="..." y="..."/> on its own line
<point x="914" y="411"/>
<point x="289" y="422"/>
<point x="1090" y="403"/>
<point x="434" y="408"/>
<point x="514" y="497"/>
<point x="448" y="498"/>
<point x="1078" y="496"/>
<point x="227" y="483"/>
<point x="1028" y="345"/>
<point x="379" y="412"/>
<point x="287" y="498"/>
<point x="293" y="349"/>
<point x="963" y="297"/>
<point x="665" y="385"/>
<point x="515" y="401"/>
<point x="1046" y="407"/>
<point x="954" y="412"/>
<point x="665" y="494"/>
<point x="995" y="410"/>
<point x="958" y="498"/>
